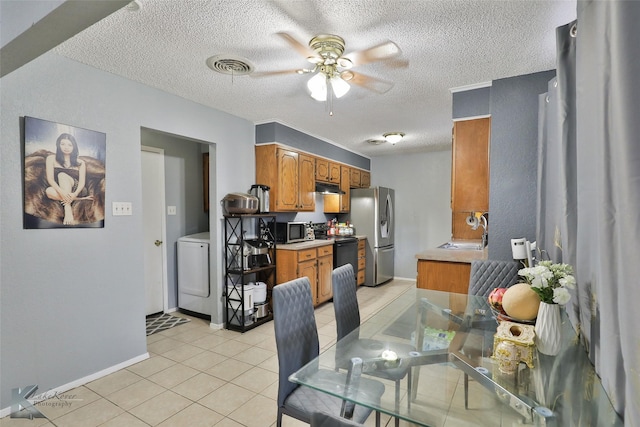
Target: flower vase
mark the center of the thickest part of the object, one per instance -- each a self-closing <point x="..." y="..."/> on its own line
<point x="548" y="329"/>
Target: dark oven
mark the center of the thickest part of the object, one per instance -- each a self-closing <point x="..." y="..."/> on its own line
<point x="345" y="251"/>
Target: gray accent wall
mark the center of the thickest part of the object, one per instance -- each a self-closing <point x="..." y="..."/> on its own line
<point x="277" y="132"/>
<point x="514" y="160"/>
<point x="471" y="103"/>
<point x="72" y="300"/>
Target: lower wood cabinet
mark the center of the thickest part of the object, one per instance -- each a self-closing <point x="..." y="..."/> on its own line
<point x="314" y="263"/>
<point x="362" y="262"/>
<point x="444" y="276"/>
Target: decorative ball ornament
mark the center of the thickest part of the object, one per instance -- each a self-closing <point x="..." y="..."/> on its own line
<point x="521" y="302"/>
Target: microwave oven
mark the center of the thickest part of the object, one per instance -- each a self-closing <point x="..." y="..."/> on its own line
<point x="292" y="232"/>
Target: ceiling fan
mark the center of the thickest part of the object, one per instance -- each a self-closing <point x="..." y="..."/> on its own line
<point x="332" y="69"/>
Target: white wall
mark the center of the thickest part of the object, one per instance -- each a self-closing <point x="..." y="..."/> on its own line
<point x="72" y="301"/>
<point x="422" y="182"/>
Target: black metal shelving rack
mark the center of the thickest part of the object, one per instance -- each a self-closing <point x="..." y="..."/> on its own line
<point x="262" y="226"/>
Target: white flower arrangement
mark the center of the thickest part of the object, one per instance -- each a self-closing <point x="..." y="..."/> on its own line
<point x="550" y="281"/>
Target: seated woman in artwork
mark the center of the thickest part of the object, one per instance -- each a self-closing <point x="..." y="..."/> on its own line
<point x="66" y="175"/>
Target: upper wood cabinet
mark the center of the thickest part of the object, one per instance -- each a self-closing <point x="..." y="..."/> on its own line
<point x="360" y="178"/>
<point x="356" y="176"/>
<point x="469" y="174"/>
<point x="345" y="186"/>
<point x="290" y="176"/>
<point x="340" y="203"/>
<point x="327" y="171"/>
<point x="365" y="179"/>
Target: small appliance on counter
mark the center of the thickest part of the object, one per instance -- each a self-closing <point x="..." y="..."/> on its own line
<point x="262" y="193"/>
<point x="239" y="203"/>
<point x="294" y="231"/>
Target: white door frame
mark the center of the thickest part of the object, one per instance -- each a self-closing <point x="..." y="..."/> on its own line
<point x="165" y="290"/>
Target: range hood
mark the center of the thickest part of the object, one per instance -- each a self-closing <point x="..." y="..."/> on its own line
<point x="322" y="187"/>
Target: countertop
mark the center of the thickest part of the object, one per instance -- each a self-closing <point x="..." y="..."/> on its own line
<point x="311" y="244"/>
<point x="452" y="255"/>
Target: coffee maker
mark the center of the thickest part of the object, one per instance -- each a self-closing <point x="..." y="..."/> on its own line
<point x="257" y="253"/>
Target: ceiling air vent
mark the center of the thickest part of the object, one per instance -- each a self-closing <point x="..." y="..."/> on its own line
<point x="227" y="64"/>
<point x="376" y="141"/>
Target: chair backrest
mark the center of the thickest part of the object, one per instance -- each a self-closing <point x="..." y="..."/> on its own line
<point x="295" y="329"/>
<point x="345" y="300"/>
<point x="488" y="274"/>
<point x="321" y="419"/>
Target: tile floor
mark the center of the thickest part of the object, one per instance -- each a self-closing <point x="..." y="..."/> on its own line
<point x="197" y="376"/>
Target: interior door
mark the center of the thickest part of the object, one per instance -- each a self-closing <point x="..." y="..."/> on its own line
<point x="154" y="231"/>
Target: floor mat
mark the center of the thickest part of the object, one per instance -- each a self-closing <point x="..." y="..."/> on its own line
<point x="162" y="322"/>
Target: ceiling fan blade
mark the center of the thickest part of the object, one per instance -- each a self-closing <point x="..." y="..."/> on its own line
<point x="396" y="63"/>
<point x="367" y="82"/>
<point x="379" y="52"/>
<point x="302" y="49"/>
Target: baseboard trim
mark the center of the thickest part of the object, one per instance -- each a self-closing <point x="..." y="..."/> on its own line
<point x="81" y="381"/>
<point x="216" y="326"/>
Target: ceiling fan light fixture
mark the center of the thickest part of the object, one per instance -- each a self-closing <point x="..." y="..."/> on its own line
<point x="317" y="86"/>
<point x="393" y="137"/>
<point x="340" y="87"/>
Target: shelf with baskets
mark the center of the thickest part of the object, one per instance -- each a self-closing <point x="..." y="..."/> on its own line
<point x="250" y="270"/>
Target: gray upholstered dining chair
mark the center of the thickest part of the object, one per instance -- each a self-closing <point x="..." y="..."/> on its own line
<point x="485" y="276"/>
<point x="321" y="419"/>
<point x="488" y="274"/>
<point x="297" y="344"/>
<point x="347" y="313"/>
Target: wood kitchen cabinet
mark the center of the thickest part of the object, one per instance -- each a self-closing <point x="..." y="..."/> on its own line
<point x="355" y="178"/>
<point x="345" y="186"/>
<point x="340" y="203"/>
<point x="314" y="263"/>
<point x="362" y="262"/>
<point x="327" y="171"/>
<point x="290" y="176"/>
<point x="360" y="178"/>
<point x="469" y="174"/>
<point x="325" y="268"/>
<point x="444" y="276"/>
<point x="365" y="179"/>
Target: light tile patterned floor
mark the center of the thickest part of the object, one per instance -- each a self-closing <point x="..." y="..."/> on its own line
<point x="197" y="376"/>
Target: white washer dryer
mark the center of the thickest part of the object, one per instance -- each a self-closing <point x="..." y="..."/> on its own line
<point x="194" y="290"/>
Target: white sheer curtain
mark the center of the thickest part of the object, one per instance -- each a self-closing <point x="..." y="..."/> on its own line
<point x="589" y="187"/>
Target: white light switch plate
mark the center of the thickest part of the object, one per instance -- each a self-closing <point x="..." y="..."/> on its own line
<point x="171" y="210"/>
<point x="122" y="208"/>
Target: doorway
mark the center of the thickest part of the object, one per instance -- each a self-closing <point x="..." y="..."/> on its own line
<point x="155" y="254"/>
<point x="183" y="211"/>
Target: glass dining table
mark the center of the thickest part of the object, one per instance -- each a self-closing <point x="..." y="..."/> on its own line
<point x="454" y="377"/>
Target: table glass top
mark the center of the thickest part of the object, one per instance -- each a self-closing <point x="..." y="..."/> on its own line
<point x="446" y="341"/>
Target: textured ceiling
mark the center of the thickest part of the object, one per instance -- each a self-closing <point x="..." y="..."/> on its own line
<point x="446" y="43"/>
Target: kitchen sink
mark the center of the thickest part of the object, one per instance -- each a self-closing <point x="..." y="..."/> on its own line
<point x="462" y="246"/>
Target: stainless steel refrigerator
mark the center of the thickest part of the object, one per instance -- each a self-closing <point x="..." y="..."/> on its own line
<point x="372" y="215"/>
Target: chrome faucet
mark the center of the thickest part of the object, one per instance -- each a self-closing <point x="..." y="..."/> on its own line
<point x="477" y="219"/>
